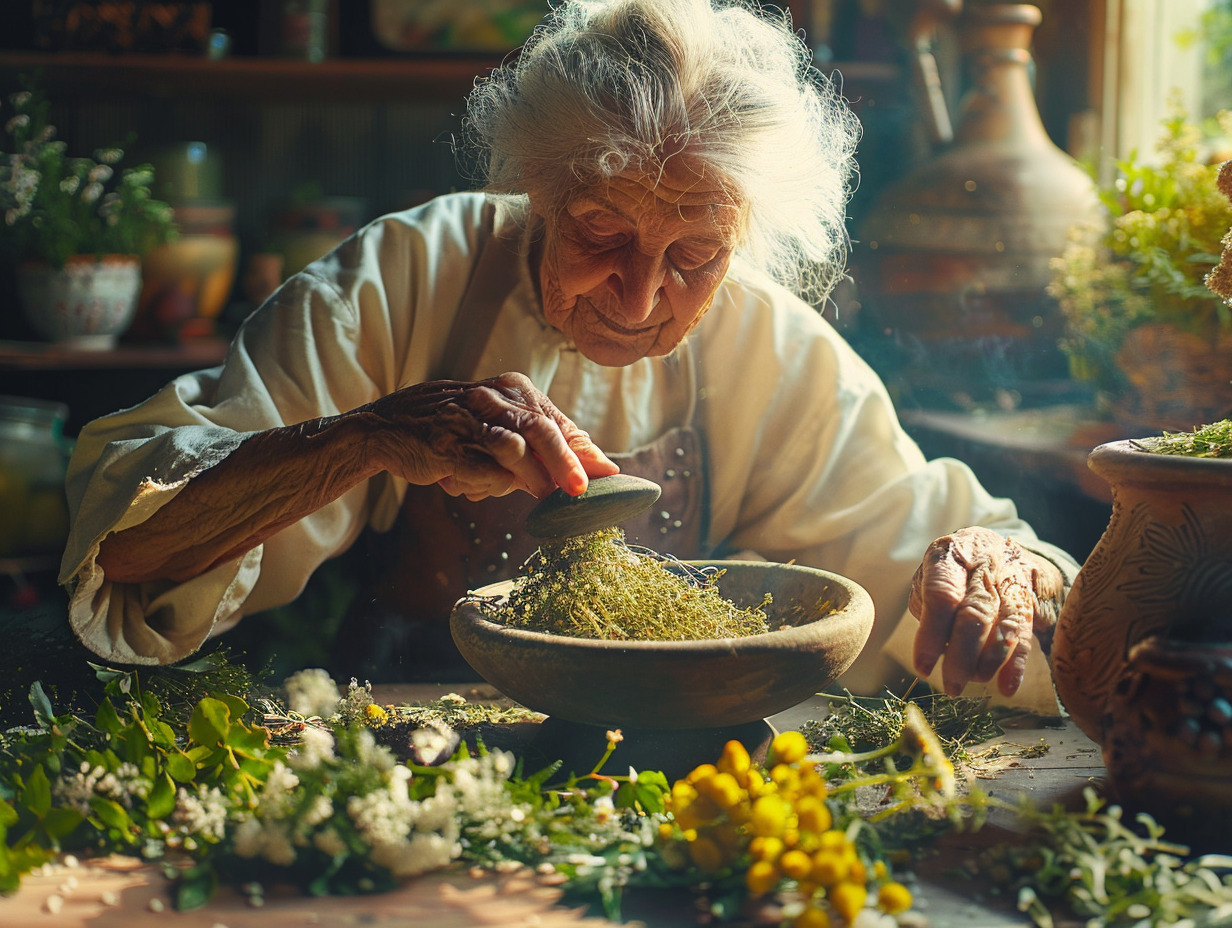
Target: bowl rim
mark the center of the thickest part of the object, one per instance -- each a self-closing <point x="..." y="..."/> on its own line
<point x="859" y="604"/>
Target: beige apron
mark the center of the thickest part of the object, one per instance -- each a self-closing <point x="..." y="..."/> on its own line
<point x="442" y="546"/>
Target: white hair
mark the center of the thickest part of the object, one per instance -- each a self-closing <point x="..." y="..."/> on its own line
<point x="608" y="86"/>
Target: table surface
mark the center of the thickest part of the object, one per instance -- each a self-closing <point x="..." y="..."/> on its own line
<point x="126" y="893"/>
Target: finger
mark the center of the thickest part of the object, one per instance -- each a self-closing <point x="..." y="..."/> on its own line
<point x="513" y="452"/>
<point x="1013" y="625"/>
<point x="1015" y="669"/>
<point x="550" y="450"/>
<point x="972" y="621"/>
<point x="940" y="590"/>
<point x="590" y="455"/>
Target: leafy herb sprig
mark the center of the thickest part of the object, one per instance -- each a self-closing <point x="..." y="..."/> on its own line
<point x="1213" y="440"/>
<point x="54" y="206"/>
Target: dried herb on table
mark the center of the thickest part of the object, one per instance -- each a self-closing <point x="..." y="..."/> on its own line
<point x="861" y="723"/>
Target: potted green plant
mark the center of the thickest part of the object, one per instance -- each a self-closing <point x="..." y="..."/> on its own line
<point x="74" y="228"/>
<point x="1140" y="322"/>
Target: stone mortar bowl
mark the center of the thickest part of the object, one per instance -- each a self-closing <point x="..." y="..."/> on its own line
<point x="680" y="684"/>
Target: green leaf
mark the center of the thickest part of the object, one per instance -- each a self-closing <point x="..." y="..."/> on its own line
<point x="106" y="719"/>
<point x="236" y="705"/>
<point x="161" y="800"/>
<point x="8" y="816"/>
<point x="60" y="822"/>
<point x="210" y="723"/>
<point x="36" y="795"/>
<point x="111" y="814"/>
<point x="249" y="741"/>
<point x="181" y="767"/>
<point x="43" y="713"/>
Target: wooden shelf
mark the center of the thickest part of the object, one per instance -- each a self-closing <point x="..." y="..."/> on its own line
<point x="40" y="356"/>
<point x="268" y="79"/>
<point x="83" y="75"/>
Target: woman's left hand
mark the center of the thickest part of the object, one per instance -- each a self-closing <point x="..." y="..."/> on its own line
<point x="982" y="601"/>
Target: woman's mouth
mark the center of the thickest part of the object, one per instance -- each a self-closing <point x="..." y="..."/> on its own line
<point x="593" y="313"/>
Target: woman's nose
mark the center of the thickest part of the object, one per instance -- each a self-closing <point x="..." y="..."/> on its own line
<point x="637" y="283"/>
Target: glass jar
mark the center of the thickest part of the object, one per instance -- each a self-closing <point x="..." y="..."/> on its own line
<point x="33" y="465"/>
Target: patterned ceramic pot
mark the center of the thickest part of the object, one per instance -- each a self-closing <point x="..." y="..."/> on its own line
<point x="1168" y="737"/>
<point x="88" y="303"/>
<point x="1153" y="597"/>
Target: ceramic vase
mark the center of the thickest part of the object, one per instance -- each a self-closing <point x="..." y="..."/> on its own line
<point x="86" y="304"/>
<point x="186" y="283"/>
<point x="956" y="254"/>
<point x="1140" y="657"/>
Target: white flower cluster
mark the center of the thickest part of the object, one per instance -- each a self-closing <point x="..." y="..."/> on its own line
<point x="355" y="702"/>
<point x="270" y="831"/>
<point x="406" y="836"/>
<point x="312" y="693"/>
<point x="202" y="814"/>
<point x="122" y="785"/>
<point x="316" y="747"/>
<point x="20" y="183"/>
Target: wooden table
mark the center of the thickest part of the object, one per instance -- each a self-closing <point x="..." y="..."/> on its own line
<point x="125" y="893"/>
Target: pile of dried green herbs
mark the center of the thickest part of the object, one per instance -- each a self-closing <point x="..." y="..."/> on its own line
<point x="1097" y="862"/>
<point x="597" y="586"/>
<point x="1213" y="440"/>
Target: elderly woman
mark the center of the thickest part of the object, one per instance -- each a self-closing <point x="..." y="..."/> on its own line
<point x="665" y="181"/>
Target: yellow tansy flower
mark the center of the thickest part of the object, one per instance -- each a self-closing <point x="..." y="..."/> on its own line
<point x="848" y="899"/>
<point x="761" y="877"/>
<point x="894" y="898"/>
<point x="788" y="747"/>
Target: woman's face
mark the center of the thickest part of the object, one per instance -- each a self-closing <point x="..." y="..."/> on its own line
<point x="630" y="267"/>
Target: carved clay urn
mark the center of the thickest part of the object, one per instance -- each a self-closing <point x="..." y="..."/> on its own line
<point x="954" y="257"/>
<point x="1142" y="655"/>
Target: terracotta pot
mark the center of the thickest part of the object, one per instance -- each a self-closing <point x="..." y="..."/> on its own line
<point x="87" y="303"/>
<point x="1168" y="738"/>
<point x="1161" y="572"/>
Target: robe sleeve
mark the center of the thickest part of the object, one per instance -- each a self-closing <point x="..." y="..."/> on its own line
<point x="353" y="326"/>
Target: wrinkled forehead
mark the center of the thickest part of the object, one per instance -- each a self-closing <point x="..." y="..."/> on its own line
<point x="680" y="186"/>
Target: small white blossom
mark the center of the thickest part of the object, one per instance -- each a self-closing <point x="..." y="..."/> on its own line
<point x="20" y="121"/>
<point x="370" y="754"/>
<point x="258" y="838"/>
<point x="71" y="184"/>
<point x="312" y="693"/>
<point x="434" y="743"/>
<point x="109" y="155"/>
<point x="603" y="808"/>
<point x="316" y="747"/>
<point x="317" y="813"/>
<point x="91" y="193"/>
<point x="328" y="841"/>
<point x="99" y="174"/>
<point x="203" y="814"/>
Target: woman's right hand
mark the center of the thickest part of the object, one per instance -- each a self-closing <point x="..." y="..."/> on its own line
<point x="482" y="439"/>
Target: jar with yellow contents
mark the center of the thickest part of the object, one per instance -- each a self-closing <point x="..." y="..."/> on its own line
<point x="33" y="464"/>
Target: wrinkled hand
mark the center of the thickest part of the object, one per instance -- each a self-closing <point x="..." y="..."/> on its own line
<point x="483" y="439"/>
<point x="982" y="601"/>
